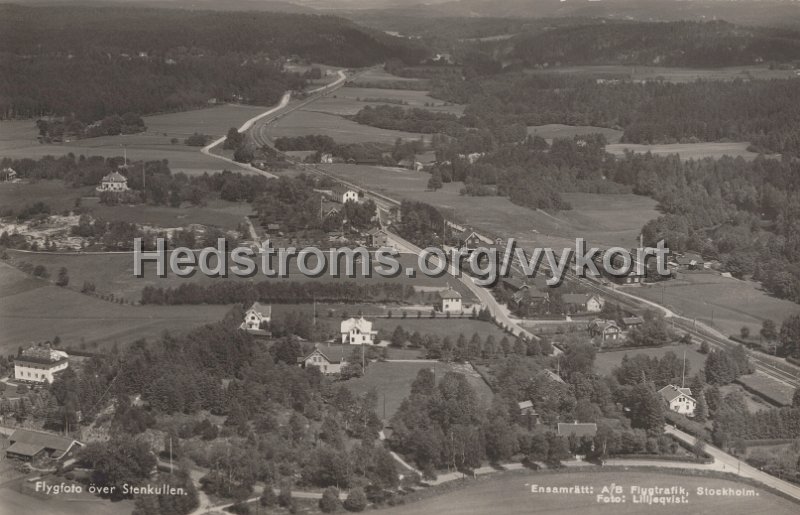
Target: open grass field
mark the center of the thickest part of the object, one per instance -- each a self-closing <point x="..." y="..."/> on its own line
<point x="725" y="303"/>
<point x="349" y="100"/>
<point x="393" y="382"/>
<point x="216" y="213"/>
<point x="559" y="130"/>
<point x="687" y="151"/>
<point x="55" y="194"/>
<point x="303" y="122"/>
<point x="113" y="273"/>
<point x="378" y="74"/>
<point x="34" y="310"/>
<point x="18" y="138"/>
<point x="670" y="74"/>
<point x="604" y="220"/>
<point x="513" y="493"/>
<point x="606" y="362"/>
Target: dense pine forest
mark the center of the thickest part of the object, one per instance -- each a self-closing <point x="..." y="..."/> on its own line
<point x="693" y="44"/>
<point x="148" y="60"/>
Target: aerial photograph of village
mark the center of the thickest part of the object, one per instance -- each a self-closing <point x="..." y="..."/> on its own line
<point x="410" y="257"/>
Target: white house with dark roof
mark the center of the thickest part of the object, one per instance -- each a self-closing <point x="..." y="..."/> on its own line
<point x="255" y="316"/>
<point x="326" y="365"/>
<point x="114" y="181"/>
<point x="8" y="175"/>
<point x="357" y="331"/>
<point x="40" y="364"/>
<point x="584" y="302"/>
<point x="342" y="194"/>
<point x="450" y="301"/>
<point x="679" y="400"/>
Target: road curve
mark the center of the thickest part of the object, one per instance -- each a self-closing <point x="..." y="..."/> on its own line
<point x="245" y="127"/>
<point x="735" y="466"/>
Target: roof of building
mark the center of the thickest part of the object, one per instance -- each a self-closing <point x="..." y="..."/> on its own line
<point x="449" y="293"/>
<point x="264" y="310"/>
<point x="525" y="404"/>
<point x="576" y="298"/>
<point x="361" y="323"/>
<point x="479" y="236"/>
<point x="29" y="443"/>
<point x="341" y="189"/>
<point x="600" y="324"/>
<point x="689" y="258"/>
<point x="553" y="376"/>
<point x="42" y="355"/>
<point x="376" y="232"/>
<point x="672" y="392"/>
<point x="115" y="177"/>
<point x="317" y="351"/>
<point x="577" y="428"/>
<point x="632" y="320"/>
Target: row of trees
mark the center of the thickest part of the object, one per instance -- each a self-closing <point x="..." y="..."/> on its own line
<point x="283" y="291"/>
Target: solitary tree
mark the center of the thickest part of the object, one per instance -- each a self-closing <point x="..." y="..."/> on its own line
<point x="63" y="277"/>
<point x="744" y="332"/>
<point x="435" y="182"/>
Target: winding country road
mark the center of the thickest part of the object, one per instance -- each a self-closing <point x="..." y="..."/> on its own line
<point x="207" y="150"/>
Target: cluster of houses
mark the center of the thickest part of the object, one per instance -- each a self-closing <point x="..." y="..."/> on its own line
<point x="39" y="364"/>
<point x="30" y="445"/>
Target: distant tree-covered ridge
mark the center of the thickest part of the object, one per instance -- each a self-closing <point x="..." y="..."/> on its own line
<point x="764" y="112"/>
<point x="693" y="44"/>
<point x="95" y="62"/>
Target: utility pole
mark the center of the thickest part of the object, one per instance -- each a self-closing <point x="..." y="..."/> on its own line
<point x="683" y="374"/>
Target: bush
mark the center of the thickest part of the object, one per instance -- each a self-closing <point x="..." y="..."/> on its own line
<point x="330" y="500"/>
<point x="356" y="500"/>
<point x="240" y="508"/>
<point x="268" y="497"/>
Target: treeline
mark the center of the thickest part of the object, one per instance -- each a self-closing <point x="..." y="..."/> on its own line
<point x="359" y="152"/>
<point x="277" y="291"/>
<point x="712" y="44"/>
<point x="150" y="60"/>
<point x="410" y="120"/>
<point x="54" y="131"/>
<point x="764" y="112"/>
<point x="733" y="420"/>
<point x="152" y="179"/>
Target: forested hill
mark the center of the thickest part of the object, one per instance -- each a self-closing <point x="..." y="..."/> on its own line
<point x="692" y="44"/>
<point x="76" y="30"/>
<point x="94" y="62"/>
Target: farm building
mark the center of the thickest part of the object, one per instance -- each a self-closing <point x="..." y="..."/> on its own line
<point x="583" y="302"/>
<point x="528" y="413"/>
<point x="629" y="323"/>
<point x="114" y="181"/>
<point x="257" y="315"/>
<point x="357" y="331"/>
<point x="679" y="400"/>
<point x="341" y="194"/>
<point x="40" y="364"/>
<point x="604" y="330"/>
<point x="27" y="445"/>
<point x="690" y="261"/>
<point x="325" y="364"/>
<point x="450" y="301"/>
<point x="377" y="238"/>
<point x="8" y="175"/>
